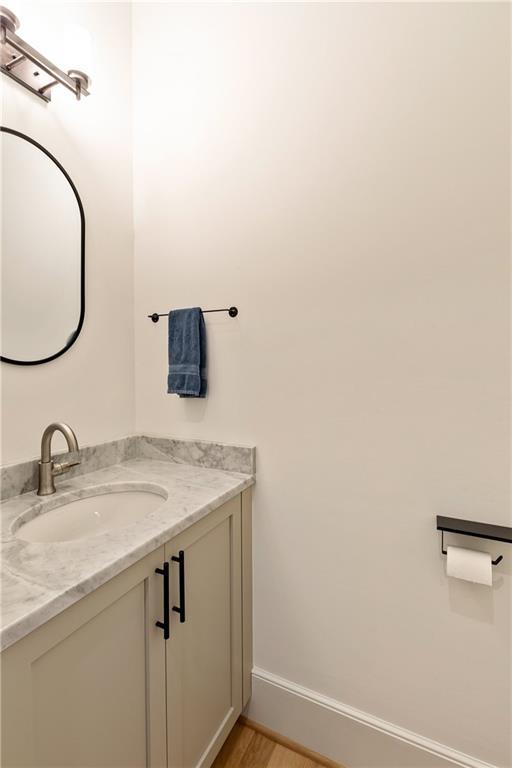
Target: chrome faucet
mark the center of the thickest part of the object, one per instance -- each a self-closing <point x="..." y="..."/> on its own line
<point x="49" y="469"/>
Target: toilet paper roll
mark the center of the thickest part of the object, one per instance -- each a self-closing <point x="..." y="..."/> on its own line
<point x="469" y="564"/>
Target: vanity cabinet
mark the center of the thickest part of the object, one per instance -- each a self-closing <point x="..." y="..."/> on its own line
<point x="99" y="685"/>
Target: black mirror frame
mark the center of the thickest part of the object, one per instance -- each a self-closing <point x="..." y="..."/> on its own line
<point x="76" y="334"/>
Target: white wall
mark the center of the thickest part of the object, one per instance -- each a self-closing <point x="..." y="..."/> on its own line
<point x="340" y="173"/>
<point x="91" y="386"/>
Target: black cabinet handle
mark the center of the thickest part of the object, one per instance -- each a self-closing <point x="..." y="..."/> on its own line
<point x="181" y="561"/>
<point x="165" y="624"/>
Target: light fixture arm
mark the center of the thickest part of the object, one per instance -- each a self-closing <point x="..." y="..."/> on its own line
<point x="18" y="58"/>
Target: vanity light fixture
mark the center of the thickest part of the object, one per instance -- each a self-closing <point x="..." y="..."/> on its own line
<point x="28" y="67"/>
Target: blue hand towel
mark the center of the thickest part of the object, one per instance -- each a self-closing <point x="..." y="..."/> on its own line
<point x="187" y="353"/>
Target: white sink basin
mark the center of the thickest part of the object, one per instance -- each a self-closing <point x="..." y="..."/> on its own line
<point x="90" y="515"/>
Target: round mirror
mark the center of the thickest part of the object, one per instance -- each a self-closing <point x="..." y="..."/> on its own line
<point x="42" y="228"/>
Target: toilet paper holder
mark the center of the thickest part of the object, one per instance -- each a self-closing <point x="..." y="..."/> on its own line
<point x="474" y="528"/>
<point x="444" y="551"/>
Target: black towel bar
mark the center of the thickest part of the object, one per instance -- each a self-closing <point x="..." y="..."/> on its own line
<point x="232" y="312"/>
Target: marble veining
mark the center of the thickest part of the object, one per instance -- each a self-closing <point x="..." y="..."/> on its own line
<point x="198" y="453"/>
<point x="39" y="580"/>
<point x="16" y="479"/>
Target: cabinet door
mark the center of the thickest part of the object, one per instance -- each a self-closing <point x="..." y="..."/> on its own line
<point x="204" y="653"/>
<point x="88" y="687"/>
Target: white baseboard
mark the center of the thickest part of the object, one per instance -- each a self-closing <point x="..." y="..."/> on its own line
<point x="347" y="735"/>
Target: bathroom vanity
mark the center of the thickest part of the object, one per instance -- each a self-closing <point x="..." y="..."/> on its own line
<point x="132" y="646"/>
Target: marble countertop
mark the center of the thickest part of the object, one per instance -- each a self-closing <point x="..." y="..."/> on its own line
<point x="39" y="580"/>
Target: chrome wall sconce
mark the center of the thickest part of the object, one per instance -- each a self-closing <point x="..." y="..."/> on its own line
<point x="28" y="67"/>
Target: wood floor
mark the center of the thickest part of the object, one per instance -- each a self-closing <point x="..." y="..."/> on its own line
<point x="249" y="748"/>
